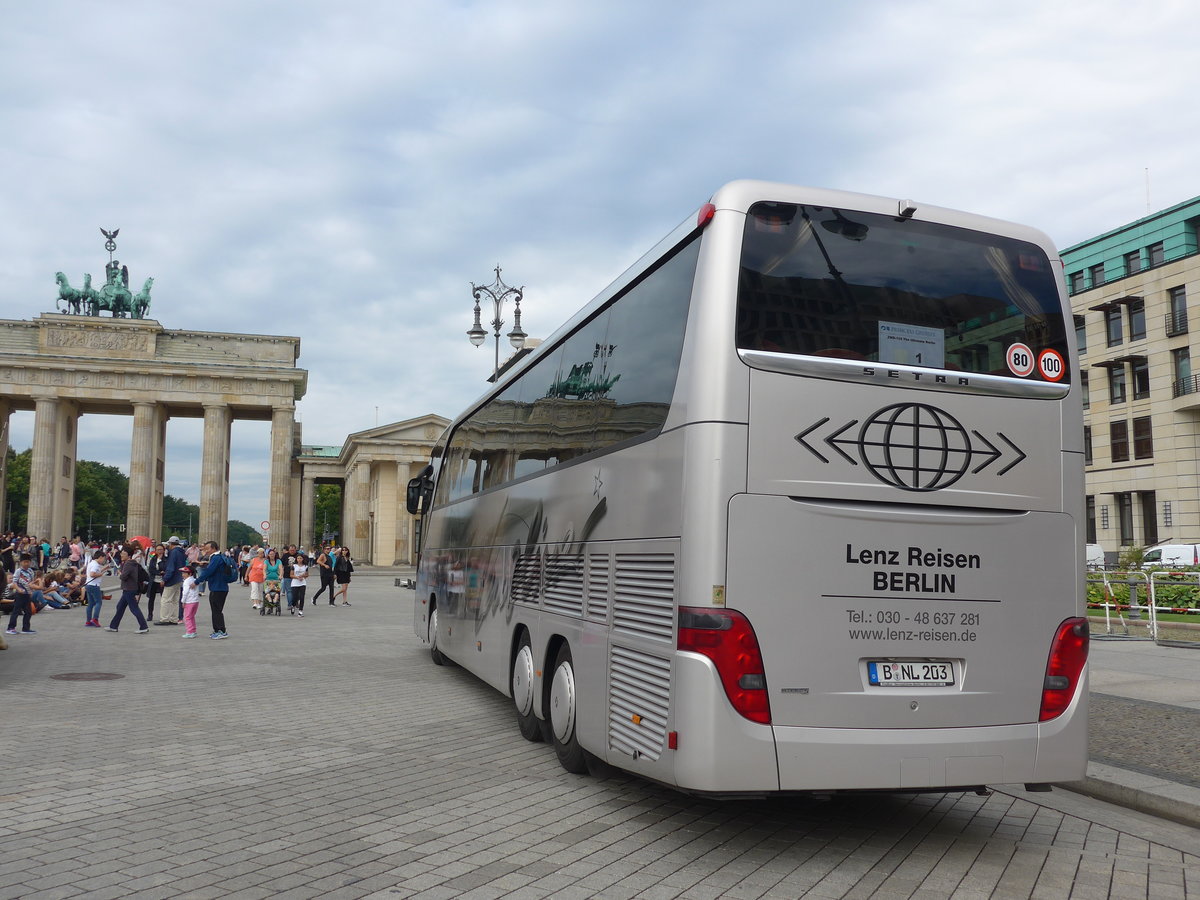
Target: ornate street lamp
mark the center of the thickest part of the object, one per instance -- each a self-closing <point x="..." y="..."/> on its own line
<point x="498" y="292"/>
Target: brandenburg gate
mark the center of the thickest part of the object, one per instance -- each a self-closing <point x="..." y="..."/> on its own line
<point x="62" y="366"/>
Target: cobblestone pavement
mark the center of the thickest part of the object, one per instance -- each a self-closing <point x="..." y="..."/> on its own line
<point x="326" y="757"/>
<point x="1155" y="738"/>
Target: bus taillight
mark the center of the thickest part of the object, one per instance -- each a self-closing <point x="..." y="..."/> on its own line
<point x="727" y="638"/>
<point x="1068" y="654"/>
<point x="707" y="211"/>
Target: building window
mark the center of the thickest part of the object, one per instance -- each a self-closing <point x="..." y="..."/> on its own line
<point x="1133" y="262"/>
<point x="1156" y="254"/>
<point x="1087" y="394"/>
<point x="1087" y="444"/>
<point x="1166" y="516"/>
<point x="1075" y="282"/>
<point x="1080" y="334"/>
<point x="1181" y="364"/>
<point x="1177" y="318"/>
<point x="1141" y="378"/>
<point x="1097" y="274"/>
<point x="1137" y="319"/>
<point x="1112" y="325"/>
<point x="1118" y="440"/>
<point x="1116" y="384"/>
<point x="1149" y="518"/>
<point x="1143" y="442"/>
<point x="1125" y="517"/>
<point x="1091" y="519"/>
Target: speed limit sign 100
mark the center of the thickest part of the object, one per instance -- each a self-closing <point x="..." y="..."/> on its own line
<point x="1051" y="365"/>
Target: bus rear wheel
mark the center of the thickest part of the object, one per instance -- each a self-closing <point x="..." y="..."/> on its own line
<point x="434" y="653"/>
<point x="524" y="691"/>
<point x="563" y="712"/>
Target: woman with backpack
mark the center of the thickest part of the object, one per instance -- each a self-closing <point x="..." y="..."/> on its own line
<point x="342" y="568"/>
<point x="218" y="573"/>
<point x="325" y="570"/>
<point x="131" y="583"/>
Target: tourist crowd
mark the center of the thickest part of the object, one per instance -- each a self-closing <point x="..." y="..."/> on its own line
<point x="36" y="575"/>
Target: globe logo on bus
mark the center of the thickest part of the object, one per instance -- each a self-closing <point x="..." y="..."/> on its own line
<point x="915" y="447"/>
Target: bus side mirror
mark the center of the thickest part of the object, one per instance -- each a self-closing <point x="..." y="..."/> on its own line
<point x="420" y="491"/>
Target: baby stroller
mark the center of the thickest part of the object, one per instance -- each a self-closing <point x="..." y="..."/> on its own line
<point x="270" y="604"/>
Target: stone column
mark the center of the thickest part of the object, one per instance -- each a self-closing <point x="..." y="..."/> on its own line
<point x="385" y="552"/>
<point x="40" y="521"/>
<point x="143" y="466"/>
<point x="283" y="422"/>
<point x="5" y="412"/>
<point x="66" y="441"/>
<point x="214" y="475"/>
<point x="159" y="477"/>
<point x="357" y="525"/>
<point x="308" y="512"/>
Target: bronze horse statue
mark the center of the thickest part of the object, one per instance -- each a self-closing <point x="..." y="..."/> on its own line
<point x="141" y="300"/>
<point x="74" y="298"/>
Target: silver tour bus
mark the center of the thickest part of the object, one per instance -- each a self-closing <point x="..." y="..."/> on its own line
<point x="794" y="504"/>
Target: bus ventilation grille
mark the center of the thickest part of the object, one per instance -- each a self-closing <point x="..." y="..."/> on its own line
<point x="640" y="693"/>
<point x="527" y="578"/>
<point x="598" y="574"/>
<point x="563" y="589"/>
<point x="644" y="595"/>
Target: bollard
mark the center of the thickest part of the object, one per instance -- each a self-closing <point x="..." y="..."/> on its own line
<point x="1132" y="582"/>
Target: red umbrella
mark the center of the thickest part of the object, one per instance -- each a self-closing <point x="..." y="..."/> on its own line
<point x="142" y="541"/>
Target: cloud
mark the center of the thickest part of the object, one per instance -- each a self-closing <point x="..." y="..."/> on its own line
<point x="344" y="172"/>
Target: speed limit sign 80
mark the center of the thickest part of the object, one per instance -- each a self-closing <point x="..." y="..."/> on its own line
<point x="1020" y="360"/>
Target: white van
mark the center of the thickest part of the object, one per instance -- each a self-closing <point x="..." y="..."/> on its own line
<point x="1172" y="555"/>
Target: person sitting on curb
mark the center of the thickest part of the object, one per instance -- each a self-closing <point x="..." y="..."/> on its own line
<point x="54" y="590"/>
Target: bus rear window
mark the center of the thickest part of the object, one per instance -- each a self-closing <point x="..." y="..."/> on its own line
<point x="843" y="284"/>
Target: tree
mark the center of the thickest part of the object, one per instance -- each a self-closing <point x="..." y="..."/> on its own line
<point x="241" y="533"/>
<point x="101" y="499"/>
<point x="328" y="509"/>
<point x="180" y="519"/>
<point x="17" y="515"/>
<point x="102" y="504"/>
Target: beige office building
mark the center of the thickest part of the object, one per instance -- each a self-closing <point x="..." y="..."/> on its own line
<point x="1129" y="292"/>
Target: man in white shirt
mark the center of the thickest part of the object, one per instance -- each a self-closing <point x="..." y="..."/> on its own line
<point x="91" y="587"/>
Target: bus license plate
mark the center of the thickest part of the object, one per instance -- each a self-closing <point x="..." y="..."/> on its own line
<point x="910" y="674"/>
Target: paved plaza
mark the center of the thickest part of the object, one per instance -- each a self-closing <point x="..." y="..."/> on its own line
<point x="327" y="757"/>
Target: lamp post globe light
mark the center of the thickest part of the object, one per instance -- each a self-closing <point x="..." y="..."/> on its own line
<point x="497" y="292"/>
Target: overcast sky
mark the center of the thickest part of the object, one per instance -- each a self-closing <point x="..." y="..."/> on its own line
<point x="343" y="171"/>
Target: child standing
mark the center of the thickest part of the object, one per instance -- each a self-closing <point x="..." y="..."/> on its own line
<point x="191" y="601"/>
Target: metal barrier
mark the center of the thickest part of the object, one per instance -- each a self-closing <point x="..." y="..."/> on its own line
<point x="1130" y="581"/>
<point x="1150" y="585"/>
<point x="1159" y="580"/>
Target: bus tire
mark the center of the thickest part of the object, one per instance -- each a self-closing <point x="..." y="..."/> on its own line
<point x="524" y="691"/>
<point x="439" y="659"/>
<point x="563" y="713"/>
